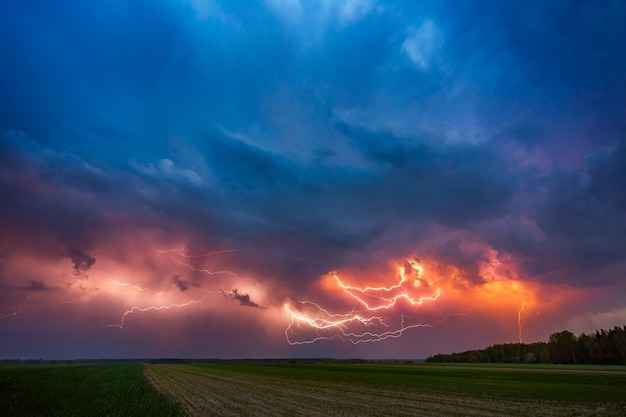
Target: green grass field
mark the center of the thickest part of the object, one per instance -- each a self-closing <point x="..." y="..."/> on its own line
<point x="312" y="390"/>
<point x="81" y="390"/>
<point x="393" y="390"/>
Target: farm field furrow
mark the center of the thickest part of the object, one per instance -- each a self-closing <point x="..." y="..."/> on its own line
<point x="388" y="390"/>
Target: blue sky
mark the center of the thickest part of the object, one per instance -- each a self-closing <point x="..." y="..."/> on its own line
<point x="484" y="141"/>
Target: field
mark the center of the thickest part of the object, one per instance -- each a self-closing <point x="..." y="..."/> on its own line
<point x="80" y="390"/>
<point x="311" y="390"/>
<point x="392" y="390"/>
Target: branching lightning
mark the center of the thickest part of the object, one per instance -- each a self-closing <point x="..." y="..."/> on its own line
<point x="154" y="308"/>
<point x="180" y="253"/>
<point x="373" y="312"/>
<point x="387" y="297"/>
<point x="379" y="311"/>
<point x="178" y="256"/>
<point x="206" y="271"/>
<point x="360" y="326"/>
<point x="329" y="326"/>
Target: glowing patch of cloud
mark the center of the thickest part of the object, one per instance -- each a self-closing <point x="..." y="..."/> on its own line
<point x="166" y="168"/>
<point x="352" y="10"/>
<point x="423" y="46"/>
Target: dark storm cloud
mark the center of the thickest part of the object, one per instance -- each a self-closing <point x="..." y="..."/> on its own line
<point x="155" y="54"/>
<point x="58" y="206"/>
<point x="245" y="166"/>
<point x="289" y="221"/>
<point x="244" y="299"/>
<point x="37" y="286"/>
<point x="81" y="261"/>
<point x="231" y="60"/>
<point x="44" y="192"/>
<point x="607" y="171"/>
<point x="451" y="184"/>
<point x="557" y="51"/>
<point x="315" y="136"/>
<point x="313" y="219"/>
<point x="584" y="217"/>
<point x="310" y="136"/>
<point x="182" y="284"/>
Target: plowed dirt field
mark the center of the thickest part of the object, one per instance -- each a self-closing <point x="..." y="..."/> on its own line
<point x="264" y="390"/>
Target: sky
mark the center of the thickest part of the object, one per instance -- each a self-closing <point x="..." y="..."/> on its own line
<point x="323" y="178"/>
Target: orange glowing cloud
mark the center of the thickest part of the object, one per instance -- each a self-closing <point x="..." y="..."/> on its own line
<point x="410" y="287"/>
<point x="414" y="294"/>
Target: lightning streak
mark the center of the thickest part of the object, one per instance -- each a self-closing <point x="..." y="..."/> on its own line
<point x="180" y="252"/>
<point x="387" y="297"/>
<point x="347" y="327"/>
<point x="324" y="320"/>
<point x="467" y="313"/>
<point x="176" y="255"/>
<point x="124" y="284"/>
<point x="519" y="322"/>
<point x="310" y="322"/>
<point x="206" y="271"/>
<point x="155" y="308"/>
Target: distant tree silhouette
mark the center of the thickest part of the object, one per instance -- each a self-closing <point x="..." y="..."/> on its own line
<point x="562" y="347"/>
<point x="606" y="347"/>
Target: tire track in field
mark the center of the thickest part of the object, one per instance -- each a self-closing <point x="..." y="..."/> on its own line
<point x="210" y="391"/>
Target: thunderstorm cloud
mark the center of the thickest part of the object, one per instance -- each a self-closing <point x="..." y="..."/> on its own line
<point x="155" y="152"/>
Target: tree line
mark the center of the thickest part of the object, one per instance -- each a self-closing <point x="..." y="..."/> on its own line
<point x="605" y="347"/>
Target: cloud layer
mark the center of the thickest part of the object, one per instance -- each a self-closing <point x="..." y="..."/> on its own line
<point x="161" y="153"/>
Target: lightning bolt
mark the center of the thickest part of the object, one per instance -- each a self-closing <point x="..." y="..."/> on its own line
<point x="206" y="271"/>
<point x="179" y="256"/>
<point x="180" y="252"/>
<point x="154" y="308"/>
<point x="467" y="313"/>
<point x="385" y="296"/>
<point x="519" y="322"/>
<point x="124" y="284"/>
<point x="340" y="325"/>
<point x="325" y="320"/>
<point x="308" y="322"/>
<point x="361" y="326"/>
